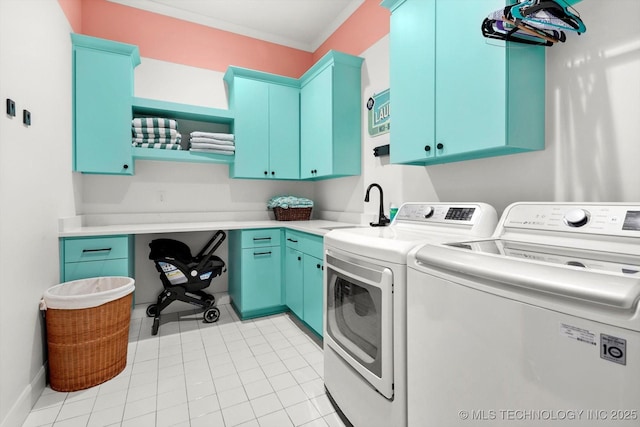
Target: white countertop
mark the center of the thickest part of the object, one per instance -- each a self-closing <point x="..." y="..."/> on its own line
<point x="69" y="229"/>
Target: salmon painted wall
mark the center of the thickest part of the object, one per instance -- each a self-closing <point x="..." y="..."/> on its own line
<point x="368" y="24"/>
<point x="174" y="40"/>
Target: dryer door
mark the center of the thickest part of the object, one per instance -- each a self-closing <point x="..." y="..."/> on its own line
<point x="360" y="317"/>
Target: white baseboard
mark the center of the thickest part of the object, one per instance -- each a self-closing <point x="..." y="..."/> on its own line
<point x="29" y="396"/>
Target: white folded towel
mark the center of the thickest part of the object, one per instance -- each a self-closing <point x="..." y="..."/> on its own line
<point x="221" y="136"/>
<point x="203" y="150"/>
<point x="207" y="146"/>
<point x="154" y="122"/>
<point x="212" y="141"/>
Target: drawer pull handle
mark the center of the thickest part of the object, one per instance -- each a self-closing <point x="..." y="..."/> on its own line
<point x="96" y="250"/>
<point x="291" y="240"/>
<point x="261" y="253"/>
<point x="255" y="239"/>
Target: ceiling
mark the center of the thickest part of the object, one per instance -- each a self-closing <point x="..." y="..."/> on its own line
<point x="301" y="24"/>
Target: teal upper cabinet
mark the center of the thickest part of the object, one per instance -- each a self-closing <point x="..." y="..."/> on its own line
<point x="267" y="124"/>
<point x="330" y="117"/>
<point x="102" y="92"/>
<point x="455" y="94"/>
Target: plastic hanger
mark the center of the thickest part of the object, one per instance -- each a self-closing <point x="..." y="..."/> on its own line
<point x="500" y="30"/>
<point x="545" y="14"/>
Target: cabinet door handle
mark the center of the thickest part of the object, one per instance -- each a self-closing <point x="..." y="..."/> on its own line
<point x="261" y="253"/>
<point x="96" y="250"/>
<point x="125" y="166"/>
<point x="255" y="239"/>
<point x="272" y="173"/>
<point x="439" y="146"/>
<point x="317" y="265"/>
<point x="265" y="172"/>
<point x="299" y="258"/>
<point x="427" y="148"/>
<point x="291" y="240"/>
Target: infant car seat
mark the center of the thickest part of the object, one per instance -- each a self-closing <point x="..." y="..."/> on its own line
<point x="184" y="276"/>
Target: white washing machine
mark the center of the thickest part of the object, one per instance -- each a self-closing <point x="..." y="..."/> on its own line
<point x="365" y="322"/>
<point x="538" y="326"/>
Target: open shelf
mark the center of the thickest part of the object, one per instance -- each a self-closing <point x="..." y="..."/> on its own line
<point x="190" y="118"/>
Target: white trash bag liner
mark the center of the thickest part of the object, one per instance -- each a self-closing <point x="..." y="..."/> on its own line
<point x="86" y="293"/>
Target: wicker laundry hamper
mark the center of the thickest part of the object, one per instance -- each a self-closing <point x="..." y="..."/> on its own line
<point x="87" y="325"/>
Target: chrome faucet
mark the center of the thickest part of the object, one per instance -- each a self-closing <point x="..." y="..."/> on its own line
<point x="382" y="220"/>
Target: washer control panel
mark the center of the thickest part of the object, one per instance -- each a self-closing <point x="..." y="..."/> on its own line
<point x="437" y="212"/>
<point x="615" y="219"/>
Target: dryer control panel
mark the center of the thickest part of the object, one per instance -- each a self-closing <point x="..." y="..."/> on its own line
<point x="611" y="219"/>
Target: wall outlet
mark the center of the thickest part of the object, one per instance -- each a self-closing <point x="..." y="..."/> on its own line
<point x="11" y="107"/>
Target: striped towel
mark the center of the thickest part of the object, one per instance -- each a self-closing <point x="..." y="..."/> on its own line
<point x="206" y="150"/>
<point x="157" y="140"/>
<point x="154" y="122"/>
<point x="221" y="136"/>
<point x="154" y="133"/>
<point x="158" y="145"/>
<point x="211" y="141"/>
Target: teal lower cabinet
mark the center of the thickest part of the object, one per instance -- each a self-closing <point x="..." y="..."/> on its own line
<point x="294" y="277"/>
<point x="255" y="272"/>
<point x="312" y="298"/>
<point x="304" y="277"/>
<point x="84" y="257"/>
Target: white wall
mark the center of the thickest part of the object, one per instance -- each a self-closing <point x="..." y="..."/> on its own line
<point x="36" y="188"/>
<point x="592" y="120"/>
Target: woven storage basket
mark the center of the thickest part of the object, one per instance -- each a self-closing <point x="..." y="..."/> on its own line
<point x="292" y="214"/>
<point x="87" y="346"/>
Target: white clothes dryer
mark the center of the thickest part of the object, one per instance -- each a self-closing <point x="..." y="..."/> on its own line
<point x="365" y="303"/>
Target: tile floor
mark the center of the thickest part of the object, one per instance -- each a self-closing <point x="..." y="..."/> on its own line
<point x="265" y="372"/>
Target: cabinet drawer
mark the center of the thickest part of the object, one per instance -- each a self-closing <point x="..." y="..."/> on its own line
<point x="96" y="248"/>
<point x="304" y="242"/>
<point x="260" y="238"/>
<point x="83" y="270"/>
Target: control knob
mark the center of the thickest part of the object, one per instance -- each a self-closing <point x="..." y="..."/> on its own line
<point x="576" y="218"/>
<point x="428" y="212"/>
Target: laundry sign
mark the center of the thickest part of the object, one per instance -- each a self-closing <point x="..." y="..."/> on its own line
<point x="379" y="107"/>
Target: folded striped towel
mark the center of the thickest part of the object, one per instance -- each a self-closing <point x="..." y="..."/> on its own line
<point x="207" y="146"/>
<point x="286" y="202"/>
<point x="206" y="150"/>
<point x="154" y="132"/>
<point x="154" y="122"/>
<point x="158" y="145"/>
<point x="211" y="141"/>
<point x="214" y="135"/>
<point x="157" y="140"/>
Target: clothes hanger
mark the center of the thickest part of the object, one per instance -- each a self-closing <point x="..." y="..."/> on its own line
<point x="547" y="14"/>
<point x="498" y="29"/>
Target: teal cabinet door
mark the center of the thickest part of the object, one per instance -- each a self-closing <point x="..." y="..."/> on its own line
<point x="255" y="272"/>
<point x="412" y="77"/>
<point x="284" y="132"/>
<point x="102" y="93"/>
<point x="267" y="124"/>
<point x="251" y="128"/>
<point x="313" y="295"/>
<point x="294" y="281"/>
<point x="331" y="117"/>
<point x="84" y="270"/>
<point x="456" y="95"/>
<point x="316" y="122"/>
<point x="261" y="283"/>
